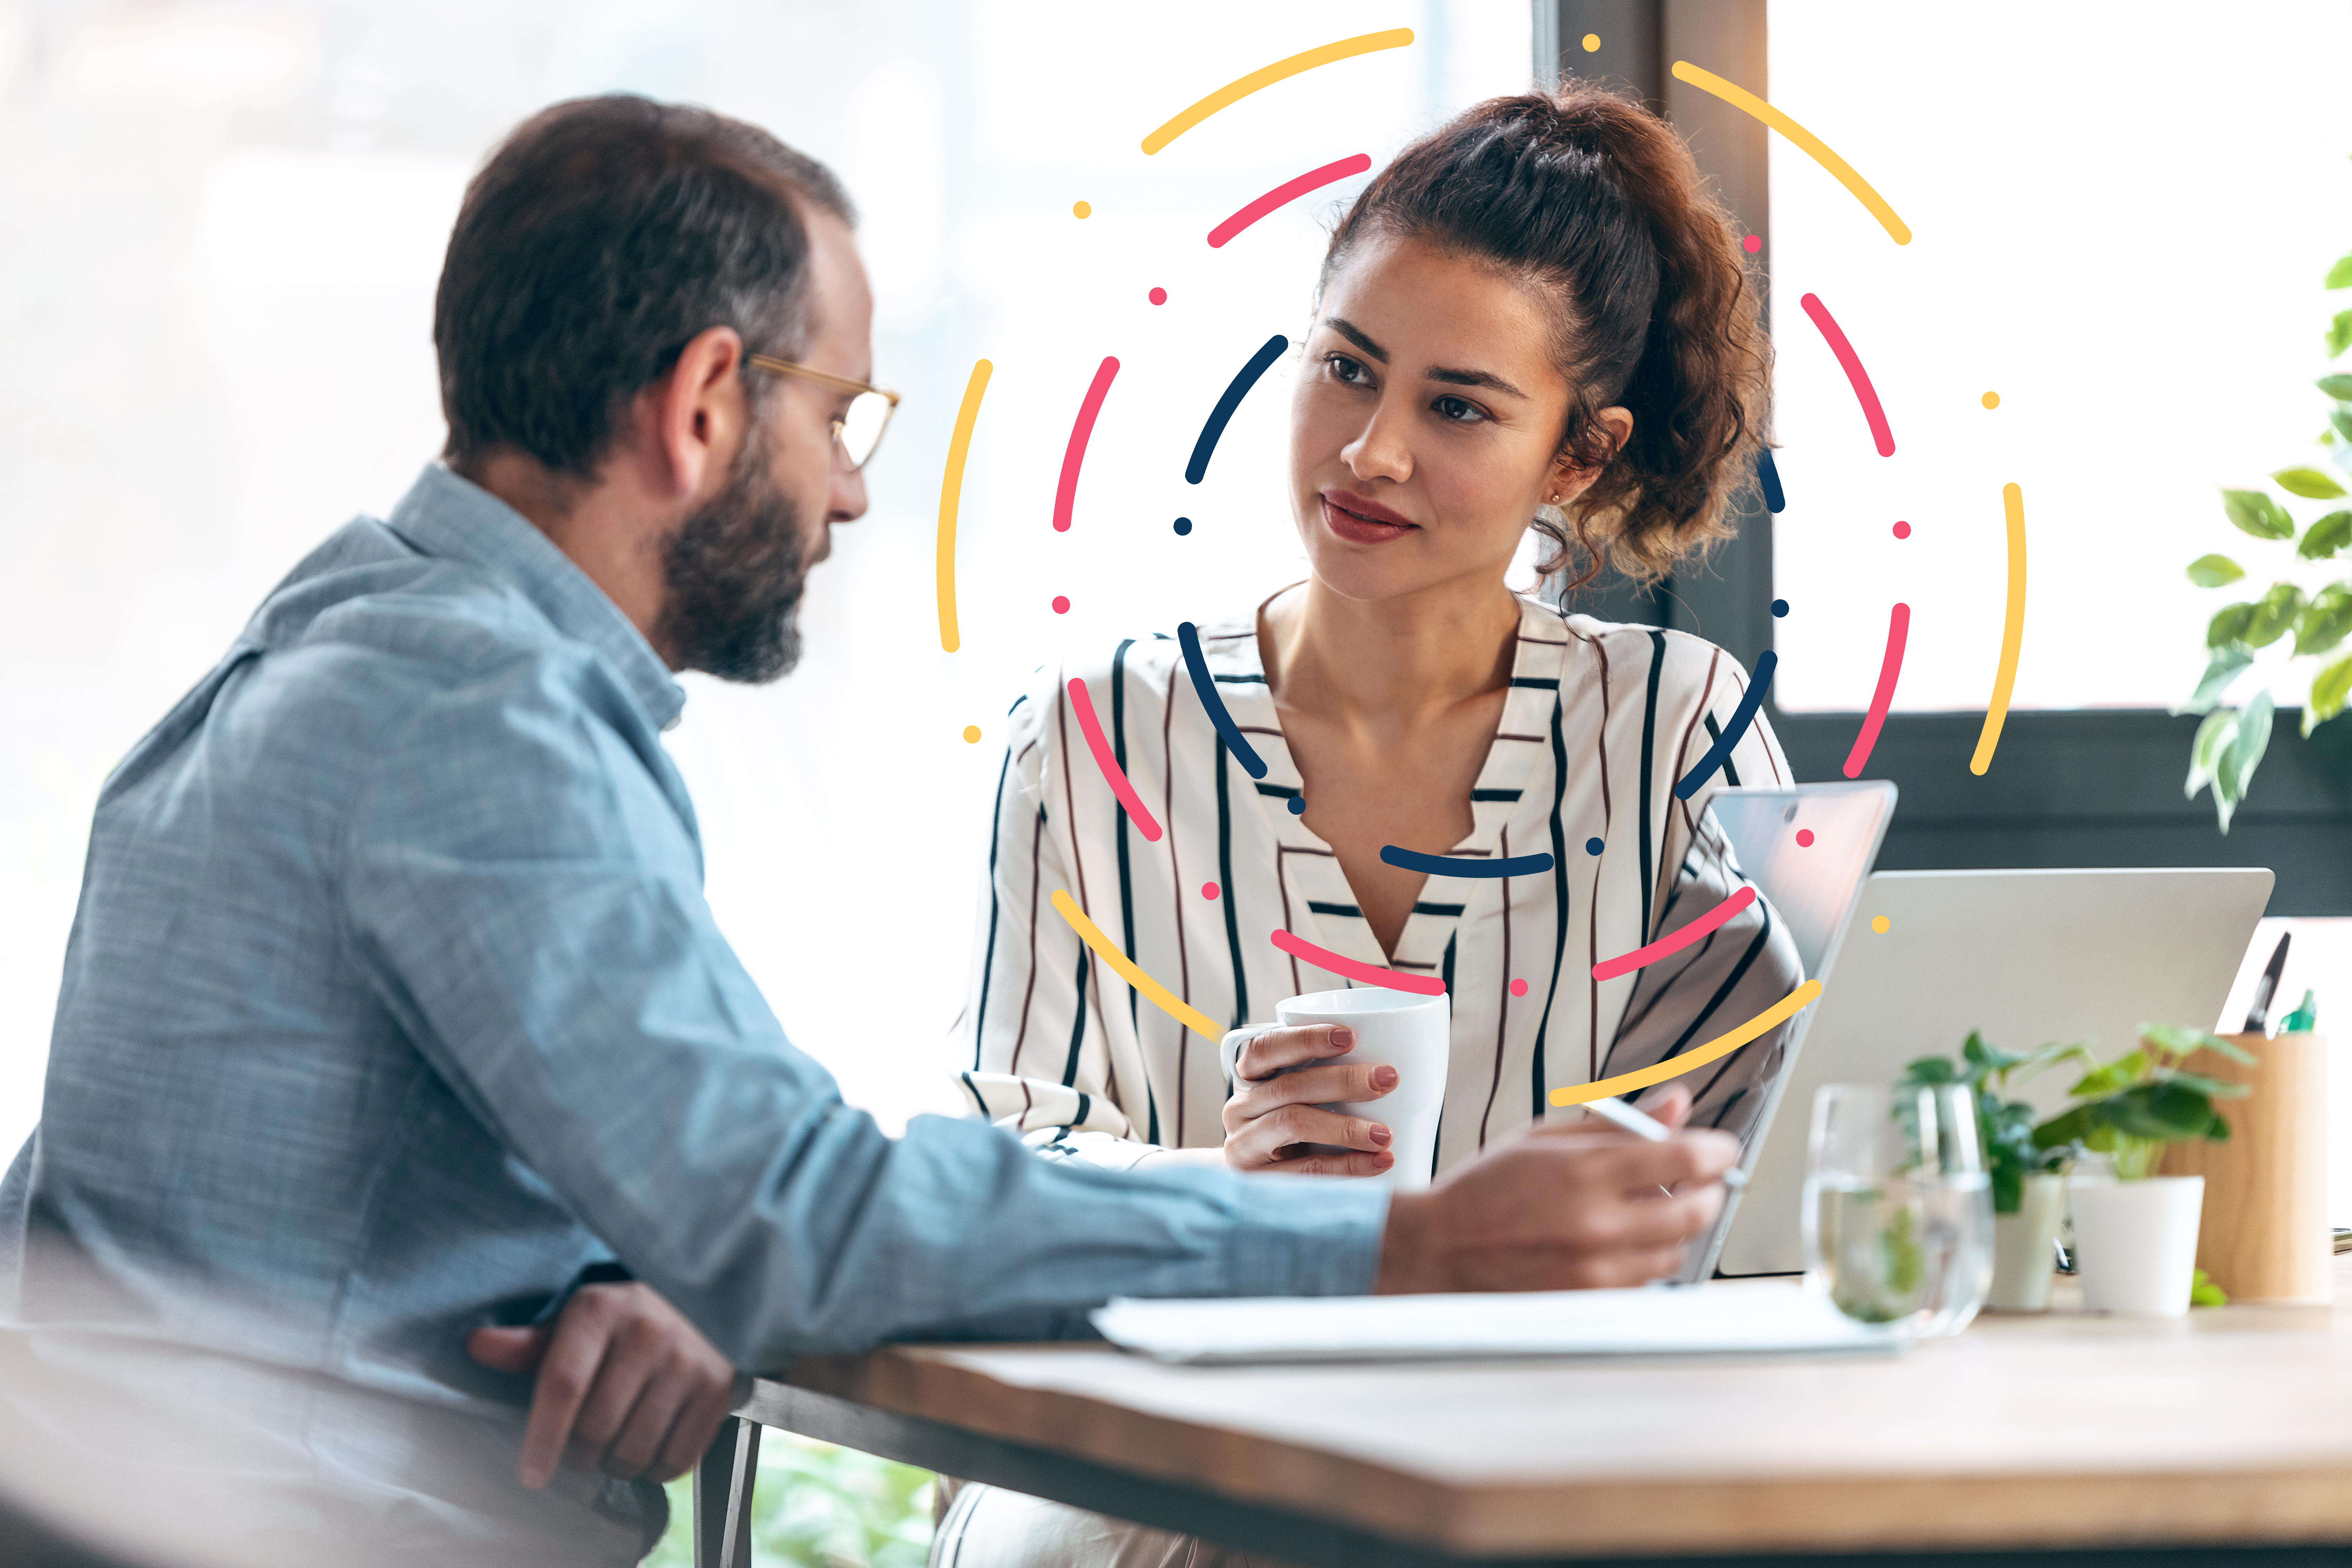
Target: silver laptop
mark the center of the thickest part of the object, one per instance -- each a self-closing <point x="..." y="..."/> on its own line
<point x="2024" y="957"/>
<point x="1814" y="886"/>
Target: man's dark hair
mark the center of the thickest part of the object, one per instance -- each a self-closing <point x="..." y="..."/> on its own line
<point x="599" y="240"/>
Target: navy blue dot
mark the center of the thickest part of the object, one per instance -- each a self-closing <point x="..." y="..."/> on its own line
<point x="1593" y="847"/>
<point x="1780" y="607"/>
<point x="1297" y="806"/>
<point x="1183" y="525"/>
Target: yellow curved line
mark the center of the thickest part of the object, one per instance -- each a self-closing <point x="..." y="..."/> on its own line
<point x="2012" y="632"/>
<point x="1780" y="1012"/>
<point x="1817" y="149"/>
<point x="1235" y="91"/>
<point x="952" y="496"/>
<point x="1158" y="996"/>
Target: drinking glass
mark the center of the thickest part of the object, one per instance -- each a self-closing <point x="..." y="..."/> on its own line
<point x="1898" y="1209"/>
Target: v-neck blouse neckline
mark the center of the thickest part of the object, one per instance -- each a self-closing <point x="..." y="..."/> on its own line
<point x="1504" y="821"/>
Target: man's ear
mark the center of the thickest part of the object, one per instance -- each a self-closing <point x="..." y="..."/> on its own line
<point x="697" y="416"/>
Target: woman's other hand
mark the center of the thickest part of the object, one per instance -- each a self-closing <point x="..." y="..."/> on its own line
<point x="1273" y="1122"/>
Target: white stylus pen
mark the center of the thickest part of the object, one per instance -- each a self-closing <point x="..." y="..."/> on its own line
<point x="1643" y="1125"/>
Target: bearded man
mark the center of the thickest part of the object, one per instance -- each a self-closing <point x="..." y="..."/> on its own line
<point x="398" y="1058"/>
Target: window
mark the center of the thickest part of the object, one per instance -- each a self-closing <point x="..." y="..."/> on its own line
<point x="2125" y="240"/>
<point x="228" y="223"/>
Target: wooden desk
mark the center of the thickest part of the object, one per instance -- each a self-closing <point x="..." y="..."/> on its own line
<point x="2064" y="1433"/>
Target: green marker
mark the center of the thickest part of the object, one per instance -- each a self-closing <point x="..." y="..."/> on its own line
<point x="2306" y="1013"/>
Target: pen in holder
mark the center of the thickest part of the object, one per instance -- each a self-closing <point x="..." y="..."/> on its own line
<point x="2263" y="1236"/>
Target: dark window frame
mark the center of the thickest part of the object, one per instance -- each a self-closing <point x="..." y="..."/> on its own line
<point x="2074" y="788"/>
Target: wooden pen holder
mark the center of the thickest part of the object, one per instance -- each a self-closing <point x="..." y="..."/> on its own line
<point x="2264" y="1235"/>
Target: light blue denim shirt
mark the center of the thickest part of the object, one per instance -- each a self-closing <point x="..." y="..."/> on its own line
<point x="393" y="997"/>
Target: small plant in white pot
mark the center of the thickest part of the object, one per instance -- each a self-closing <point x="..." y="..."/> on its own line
<point x="2029" y="1187"/>
<point x="2136" y="1232"/>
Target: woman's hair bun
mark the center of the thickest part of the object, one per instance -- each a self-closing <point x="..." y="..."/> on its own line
<point x="1598" y="204"/>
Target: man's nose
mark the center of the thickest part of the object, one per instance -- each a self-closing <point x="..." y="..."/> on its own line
<point x="845" y="501"/>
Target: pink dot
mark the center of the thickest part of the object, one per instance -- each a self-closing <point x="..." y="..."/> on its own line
<point x="1752" y="244"/>
<point x="1519" y="987"/>
<point x="1804" y="838"/>
<point x="1902" y="530"/>
<point x="1061" y="604"/>
<point x="1208" y="890"/>
<point x="1159" y="296"/>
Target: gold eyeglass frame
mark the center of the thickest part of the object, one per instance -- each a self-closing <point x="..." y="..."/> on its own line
<point x="786" y="367"/>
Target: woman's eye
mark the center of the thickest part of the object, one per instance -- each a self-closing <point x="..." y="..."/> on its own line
<point x="1459" y="410"/>
<point x="1344" y="370"/>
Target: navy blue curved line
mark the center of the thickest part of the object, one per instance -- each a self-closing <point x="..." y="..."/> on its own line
<point x="1188" y="636"/>
<point x="1741" y="717"/>
<point x="1449" y="865"/>
<point x="1235" y="392"/>
<point x="1769" y="474"/>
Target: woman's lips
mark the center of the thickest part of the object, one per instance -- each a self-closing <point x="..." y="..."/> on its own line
<point x="1360" y="530"/>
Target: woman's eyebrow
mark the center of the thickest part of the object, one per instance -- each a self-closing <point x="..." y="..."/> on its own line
<point x="1450" y="377"/>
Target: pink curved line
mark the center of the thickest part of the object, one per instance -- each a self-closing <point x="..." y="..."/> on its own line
<point x="1075" y="455"/>
<point x="1626" y="962"/>
<point x="1355" y="969"/>
<point x="1898" y="629"/>
<point x="1862" y="390"/>
<point x="1290" y="192"/>
<point x="1083" y="704"/>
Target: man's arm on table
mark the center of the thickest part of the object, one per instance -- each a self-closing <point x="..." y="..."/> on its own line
<point x="529" y="904"/>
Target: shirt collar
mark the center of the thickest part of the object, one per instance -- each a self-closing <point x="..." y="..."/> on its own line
<point x="451" y="517"/>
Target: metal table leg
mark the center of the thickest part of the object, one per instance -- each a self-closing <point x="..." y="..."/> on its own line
<point x="722" y="1496"/>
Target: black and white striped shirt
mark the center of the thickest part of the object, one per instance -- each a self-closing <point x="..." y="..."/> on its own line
<point x="1600" y="722"/>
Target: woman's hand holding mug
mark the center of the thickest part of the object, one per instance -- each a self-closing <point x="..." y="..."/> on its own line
<point x="1274" y="1121"/>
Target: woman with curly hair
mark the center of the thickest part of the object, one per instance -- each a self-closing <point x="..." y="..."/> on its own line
<point x="1534" y="316"/>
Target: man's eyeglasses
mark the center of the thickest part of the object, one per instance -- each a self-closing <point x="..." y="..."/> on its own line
<point x="859" y="428"/>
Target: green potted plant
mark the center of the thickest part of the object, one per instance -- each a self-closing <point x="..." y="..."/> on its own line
<point x="2136" y="1232"/>
<point x="2028" y="1190"/>
<point x="2246" y="636"/>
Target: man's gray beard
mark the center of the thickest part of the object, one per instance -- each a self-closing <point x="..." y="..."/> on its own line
<point x="735" y="574"/>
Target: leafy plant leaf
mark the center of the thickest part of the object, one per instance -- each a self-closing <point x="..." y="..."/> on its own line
<point x="2165" y="1111"/>
<point x="2275" y="612"/>
<point x="2310" y="483"/>
<point x="2210" y="1088"/>
<point x="2338" y="387"/>
<point x="2329" y="689"/>
<point x="2177" y="1041"/>
<point x="2326" y="537"/>
<point x="2202" y="1291"/>
<point x="2213" y="571"/>
<point x="2219" y="671"/>
<point x="2254" y="513"/>
<point x="2233" y="771"/>
<point x="2229" y="624"/>
<point x="2339" y="333"/>
<point x="2340" y="275"/>
<point x="2213" y="738"/>
<point x="2072" y="1126"/>
<point x="2325" y="621"/>
<point x="2339" y="422"/>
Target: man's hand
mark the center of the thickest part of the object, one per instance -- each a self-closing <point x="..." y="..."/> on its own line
<point x="1562" y="1208"/>
<point x="625" y="1385"/>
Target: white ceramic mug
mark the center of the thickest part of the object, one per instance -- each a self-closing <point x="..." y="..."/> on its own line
<point x="1401" y="1029"/>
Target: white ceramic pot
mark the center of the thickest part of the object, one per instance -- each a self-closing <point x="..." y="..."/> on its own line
<point x="2135" y="1242"/>
<point x="2025" y="1247"/>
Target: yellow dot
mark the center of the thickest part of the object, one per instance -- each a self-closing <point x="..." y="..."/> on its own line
<point x="1080" y="209"/>
<point x="1990" y="400"/>
<point x="972" y="734"/>
<point x="1878" y="922"/>
<point x="1591" y="42"/>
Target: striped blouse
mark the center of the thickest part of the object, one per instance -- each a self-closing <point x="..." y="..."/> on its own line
<point x="1600" y="723"/>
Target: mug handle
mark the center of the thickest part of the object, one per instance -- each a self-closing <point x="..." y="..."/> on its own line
<point x="1230" y="1048"/>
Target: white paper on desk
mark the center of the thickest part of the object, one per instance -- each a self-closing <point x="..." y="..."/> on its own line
<point x="1684" y="1321"/>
